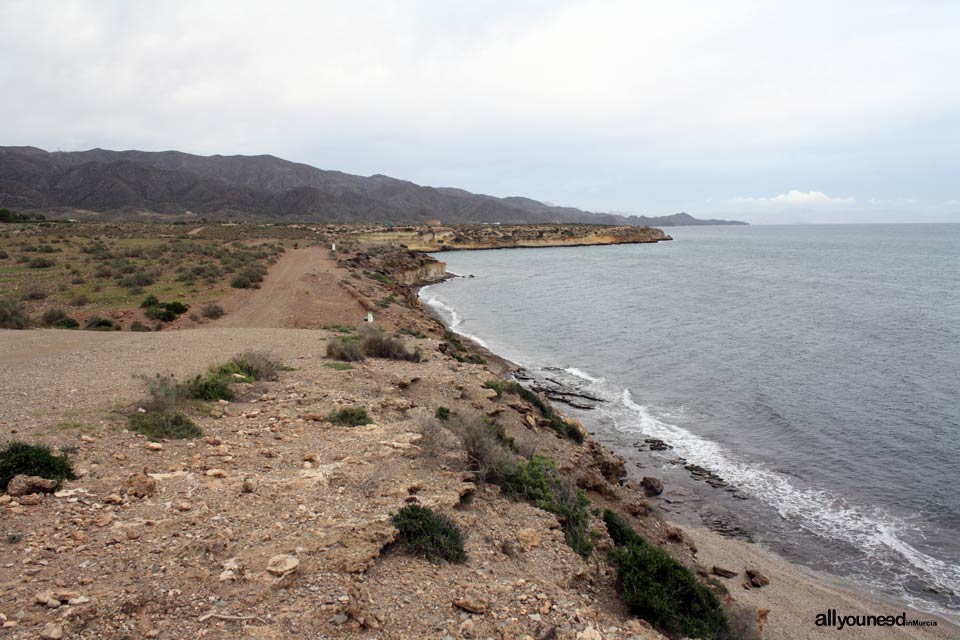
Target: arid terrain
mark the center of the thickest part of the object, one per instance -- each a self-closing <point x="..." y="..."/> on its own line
<point x="276" y="522"/>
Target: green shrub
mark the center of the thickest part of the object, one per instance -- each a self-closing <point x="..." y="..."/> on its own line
<point x="497" y="384"/>
<point x="252" y="365"/>
<point x="344" y="350"/>
<point x="208" y="387"/>
<point x="666" y="594"/>
<point x="485" y="455"/>
<point x="96" y="323"/>
<point x="377" y="344"/>
<point x="177" y="307"/>
<point x="160" y="313"/>
<point x="443" y="413"/>
<point x="41" y="263"/>
<point x="539" y="482"/>
<point x="4" y="255"/>
<point x="212" y="311"/>
<point x="164" y="395"/>
<point x="58" y="318"/>
<point x="349" y="417"/>
<point x="79" y="301"/>
<point x="619" y="529"/>
<point x="557" y="423"/>
<point x="164" y="426"/>
<point x="139" y="326"/>
<point x="426" y="533"/>
<point x="13" y="315"/>
<point x="339" y="366"/>
<point x="34" y="293"/>
<point x="137" y="279"/>
<point x="150" y="301"/>
<point x="19" y="458"/>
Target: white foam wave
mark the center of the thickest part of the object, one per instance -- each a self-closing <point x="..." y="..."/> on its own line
<point x="452" y="317"/>
<point x="583" y="375"/>
<point x="819" y="512"/>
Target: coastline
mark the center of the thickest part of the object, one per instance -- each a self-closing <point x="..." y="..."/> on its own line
<point x="796" y="593"/>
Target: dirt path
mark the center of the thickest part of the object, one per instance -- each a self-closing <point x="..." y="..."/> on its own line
<point x="300" y="291"/>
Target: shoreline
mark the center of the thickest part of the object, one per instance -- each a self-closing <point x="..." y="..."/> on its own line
<point x="796" y="593"/>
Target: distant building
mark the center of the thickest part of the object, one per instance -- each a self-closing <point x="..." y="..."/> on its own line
<point x="434" y="222"/>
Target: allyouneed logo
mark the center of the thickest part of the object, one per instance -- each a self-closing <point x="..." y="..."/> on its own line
<point x="833" y="619"/>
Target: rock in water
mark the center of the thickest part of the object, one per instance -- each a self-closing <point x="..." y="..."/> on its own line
<point x="651" y="486"/>
<point x="21" y="485"/>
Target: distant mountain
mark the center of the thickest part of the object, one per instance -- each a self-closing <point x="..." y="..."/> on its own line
<point x="119" y="184"/>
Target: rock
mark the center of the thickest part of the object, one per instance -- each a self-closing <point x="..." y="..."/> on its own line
<point x="31" y="499"/>
<point x="184" y="506"/>
<point x="113" y="498"/>
<point x="21" y="485"/>
<point x="340" y="618"/>
<point x="723" y="573"/>
<point x="651" y="486"/>
<point x="472" y="602"/>
<point x="757" y="579"/>
<point x="589" y="634"/>
<point x="592" y="480"/>
<point x="140" y="485"/>
<point x="529" y="538"/>
<point x="250" y="484"/>
<point x="52" y="631"/>
<point x="530" y="421"/>
<point x="216" y="473"/>
<point x="636" y="506"/>
<point x="674" y="534"/>
<point x="281" y="565"/>
<point x="154" y="446"/>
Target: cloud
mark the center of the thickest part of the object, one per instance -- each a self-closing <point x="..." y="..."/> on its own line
<point x="795" y="197"/>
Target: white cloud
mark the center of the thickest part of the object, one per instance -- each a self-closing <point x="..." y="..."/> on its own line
<point x="795" y="197"/>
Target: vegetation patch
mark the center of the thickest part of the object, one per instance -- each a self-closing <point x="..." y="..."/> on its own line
<point x="96" y="323"/>
<point x="350" y="417"/>
<point x="58" y="319"/>
<point x="377" y="344"/>
<point x="19" y="458"/>
<point x="344" y="350"/>
<point x="339" y="366"/>
<point x="557" y="423"/>
<point x="164" y="426"/>
<point x="443" y="413"/>
<point x="659" y="589"/>
<point x="212" y="311"/>
<point x="13" y="315"/>
<point x="252" y="365"/>
<point x="424" y="532"/>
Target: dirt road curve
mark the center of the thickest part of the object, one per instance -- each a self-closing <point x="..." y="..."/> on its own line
<point x="300" y="291"/>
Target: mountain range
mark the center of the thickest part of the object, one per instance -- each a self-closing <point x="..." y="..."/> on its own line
<point x="120" y="184"/>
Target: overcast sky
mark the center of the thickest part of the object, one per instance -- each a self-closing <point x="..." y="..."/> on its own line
<point x="801" y="111"/>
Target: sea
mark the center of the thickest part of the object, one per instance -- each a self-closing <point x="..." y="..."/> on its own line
<point x="812" y="372"/>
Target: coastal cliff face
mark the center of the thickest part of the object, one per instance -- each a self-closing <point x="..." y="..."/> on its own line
<point x="400" y="266"/>
<point x="427" y="238"/>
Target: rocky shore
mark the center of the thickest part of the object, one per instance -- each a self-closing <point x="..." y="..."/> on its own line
<point x="278" y="523"/>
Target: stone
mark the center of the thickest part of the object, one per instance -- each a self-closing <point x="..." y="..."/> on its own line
<point x="140" y="485"/>
<point x="589" y="634"/>
<point x="250" y="484"/>
<point x="281" y="565"/>
<point x="216" y="473"/>
<point x="21" y="485"/>
<point x="472" y="602"/>
<point x="184" y="506"/>
<point x="340" y="618"/>
<point x="651" y="486"/>
<point x="757" y="579"/>
<point x="31" y="499"/>
<point x="52" y="631"/>
<point x="723" y="573"/>
<point x="154" y="446"/>
<point x="529" y="538"/>
<point x="113" y="498"/>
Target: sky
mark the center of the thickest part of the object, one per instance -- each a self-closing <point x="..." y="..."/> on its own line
<point x="770" y="112"/>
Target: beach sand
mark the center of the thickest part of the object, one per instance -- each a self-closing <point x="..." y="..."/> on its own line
<point x="796" y="595"/>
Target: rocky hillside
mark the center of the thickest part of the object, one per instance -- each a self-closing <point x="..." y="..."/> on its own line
<point x="116" y="184"/>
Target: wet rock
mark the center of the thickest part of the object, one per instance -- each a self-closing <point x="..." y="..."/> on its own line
<point x="21" y="485"/>
<point x="651" y="486"/>
<point x="757" y="579"/>
<point x="655" y="444"/>
<point x="723" y="573"/>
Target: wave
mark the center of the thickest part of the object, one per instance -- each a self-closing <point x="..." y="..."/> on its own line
<point x="820" y="512"/>
<point x="583" y="375"/>
<point x="451" y="317"/>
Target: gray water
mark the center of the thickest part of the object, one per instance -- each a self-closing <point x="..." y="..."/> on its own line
<point x="814" y="368"/>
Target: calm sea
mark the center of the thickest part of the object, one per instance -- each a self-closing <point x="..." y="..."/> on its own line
<point x="816" y="369"/>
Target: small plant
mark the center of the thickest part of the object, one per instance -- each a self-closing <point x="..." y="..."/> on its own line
<point x="339" y="366"/>
<point x="164" y="426"/>
<point x="35" y="293"/>
<point x="497" y="384"/>
<point x="659" y="589"/>
<point x="443" y="413"/>
<point x="96" y="323"/>
<point x="136" y="325"/>
<point x="13" y="315"/>
<point x="426" y="533"/>
<point x="344" y="350"/>
<point x="41" y="263"/>
<point x="253" y="365"/>
<point x="377" y="344"/>
<point x="208" y="387"/>
<point x="59" y="319"/>
<point x="212" y="311"/>
<point x="19" y="458"/>
<point x="150" y="301"/>
<point x="338" y="328"/>
<point x="485" y="455"/>
<point x="79" y="300"/>
<point x="349" y="417"/>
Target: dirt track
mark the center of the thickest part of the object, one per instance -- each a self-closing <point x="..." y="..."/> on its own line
<point x="300" y="291"/>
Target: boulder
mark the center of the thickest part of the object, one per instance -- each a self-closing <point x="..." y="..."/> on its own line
<point x="21" y="485"/>
<point x="651" y="486"/>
